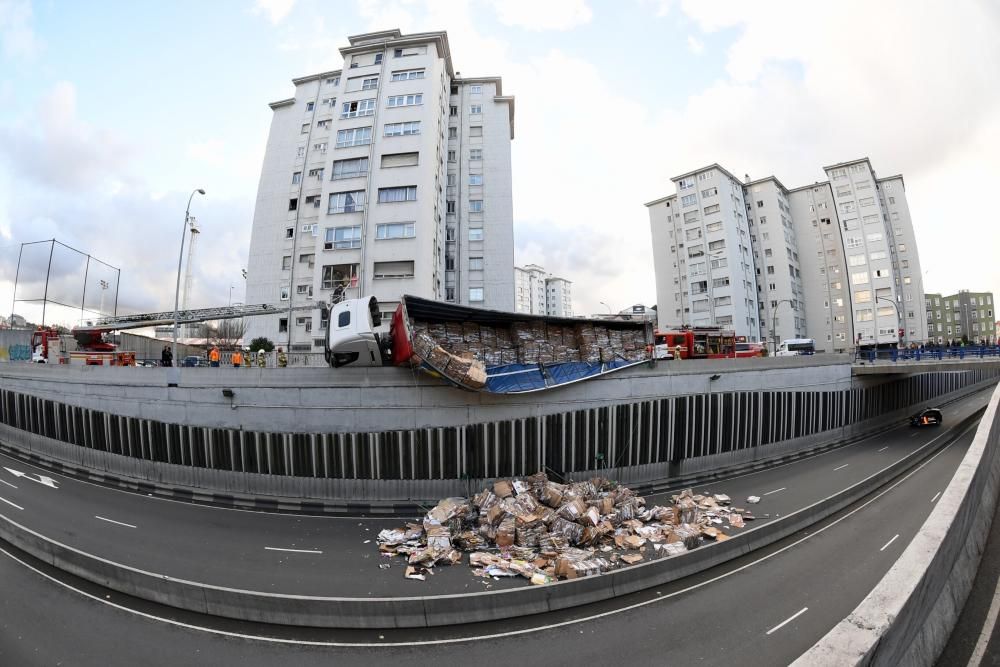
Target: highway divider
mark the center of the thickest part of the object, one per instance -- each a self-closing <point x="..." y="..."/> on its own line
<point x="425" y="611"/>
<point x="908" y="617"/>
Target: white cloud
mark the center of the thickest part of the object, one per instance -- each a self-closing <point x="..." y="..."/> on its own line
<point x="17" y="37"/>
<point x="210" y="152"/>
<point x="696" y="45"/>
<point x="548" y="15"/>
<point x="276" y="10"/>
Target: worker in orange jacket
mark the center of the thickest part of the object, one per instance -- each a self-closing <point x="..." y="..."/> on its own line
<point x="237" y="358"/>
<point x="213" y="357"/>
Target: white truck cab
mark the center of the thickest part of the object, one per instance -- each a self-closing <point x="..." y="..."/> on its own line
<point x="351" y="336"/>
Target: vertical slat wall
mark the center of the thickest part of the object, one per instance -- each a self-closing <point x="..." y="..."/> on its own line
<point x="667" y="430"/>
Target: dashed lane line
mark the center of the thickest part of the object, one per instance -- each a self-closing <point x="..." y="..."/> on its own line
<point x="886" y="545"/>
<point x="127" y="525"/>
<point x="788" y="620"/>
<point x="841" y="467"/>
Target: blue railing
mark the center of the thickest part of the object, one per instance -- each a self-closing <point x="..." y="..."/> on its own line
<point x="929" y="353"/>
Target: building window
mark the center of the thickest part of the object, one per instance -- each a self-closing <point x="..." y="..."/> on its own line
<point x="347" y="202"/>
<point x="451" y="156"/>
<point x="689" y="200"/>
<point x="395" y="230"/>
<point x="685" y="183"/>
<point x="293" y="204"/>
<point x="283" y="325"/>
<point x="339" y="275"/>
<point x="476" y="90"/>
<point x="476" y="131"/>
<point x="475" y="233"/>
<point x="867" y="201"/>
<point x="304" y="289"/>
<point x="333" y="81"/>
<point x="321" y="147"/>
<point x="856" y="260"/>
<point x="449" y="293"/>
<point x="371" y="83"/>
<point x="864" y="296"/>
<point x="308" y="258"/>
<point x="475" y="264"/>
<point x="402" y="129"/>
<point x="310" y="106"/>
<point x="710" y="192"/>
<point x="405" y="193"/>
<point x="475" y="153"/>
<point x="286" y="262"/>
<point x="452" y="180"/>
<point x="410" y="51"/>
<point x="289" y="232"/>
<point x="476" y="108"/>
<point x="475" y="205"/>
<point x="359" y="108"/>
<point x="400" y="269"/>
<point x="349" y="168"/>
<point x="296" y="177"/>
<point x="406" y="100"/>
<point x="860" y="278"/>
<point x="475" y="294"/>
<point x="714" y="208"/>
<point x="390" y="160"/>
<point x="316" y="173"/>
<point x="407" y="74"/>
<point x="300" y="151"/>
<point x="450" y="206"/>
<point x="305" y="128"/>
<point x="475" y="179"/>
<point x="453" y="133"/>
<point x="342" y="238"/>
<point x="284" y="293"/>
<point x="358" y="136"/>
<point x="453" y="111"/>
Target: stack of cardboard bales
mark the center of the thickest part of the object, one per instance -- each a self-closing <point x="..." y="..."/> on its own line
<point x="543" y="530"/>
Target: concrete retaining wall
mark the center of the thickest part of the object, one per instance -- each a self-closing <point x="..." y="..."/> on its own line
<point x="439" y="610"/>
<point x="908" y="617"/>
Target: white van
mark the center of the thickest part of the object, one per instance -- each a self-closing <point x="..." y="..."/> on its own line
<point x="796" y="346"/>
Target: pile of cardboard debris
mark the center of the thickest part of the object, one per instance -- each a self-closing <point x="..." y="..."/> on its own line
<point x="543" y="531"/>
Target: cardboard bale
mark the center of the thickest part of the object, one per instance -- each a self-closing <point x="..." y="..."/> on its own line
<point x="470" y="332"/>
<point x="506" y="532"/>
<point x="439" y="358"/>
<point x="573" y="509"/>
<point x="476" y="376"/>
<point x="572" y="531"/>
<point x="503" y="488"/>
<point x="423" y="345"/>
<point x="552" y="494"/>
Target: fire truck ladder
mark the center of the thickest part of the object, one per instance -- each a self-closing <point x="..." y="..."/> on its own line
<point x="140" y="320"/>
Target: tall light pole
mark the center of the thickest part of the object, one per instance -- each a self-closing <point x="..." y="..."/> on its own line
<point x="606" y="306"/>
<point x="104" y="286"/>
<point x="899" y="319"/>
<point x="177" y="289"/>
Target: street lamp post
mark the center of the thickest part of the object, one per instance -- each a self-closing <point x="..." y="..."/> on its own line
<point x="899" y="318"/>
<point x="104" y="286"/>
<point x="774" y="323"/>
<point x="177" y="289"/>
<point x="606" y="306"/>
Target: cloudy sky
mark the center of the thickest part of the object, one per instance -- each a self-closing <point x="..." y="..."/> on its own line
<point x="112" y="112"/>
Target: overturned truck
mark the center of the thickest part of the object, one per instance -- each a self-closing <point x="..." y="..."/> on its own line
<point x="484" y="350"/>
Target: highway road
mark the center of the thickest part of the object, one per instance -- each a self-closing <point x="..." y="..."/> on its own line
<point x="765" y="608"/>
<point x="336" y="556"/>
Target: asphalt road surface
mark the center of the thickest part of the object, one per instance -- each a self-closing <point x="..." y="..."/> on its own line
<point x="762" y="609"/>
<point x="336" y="556"/>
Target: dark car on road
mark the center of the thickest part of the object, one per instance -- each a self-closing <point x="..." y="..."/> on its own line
<point x="927" y="417"/>
<point x="194" y="360"/>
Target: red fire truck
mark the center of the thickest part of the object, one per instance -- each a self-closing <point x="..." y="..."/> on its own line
<point x="698" y="342"/>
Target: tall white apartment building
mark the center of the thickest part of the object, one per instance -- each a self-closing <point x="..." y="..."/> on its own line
<point x="835" y="261"/>
<point x="386" y="177"/>
<point x="776" y="256"/>
<point x="541" y="293"/>
<point x="705" y="274"/>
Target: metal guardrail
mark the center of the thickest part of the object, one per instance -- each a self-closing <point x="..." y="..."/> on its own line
<point x="929" y="354"/>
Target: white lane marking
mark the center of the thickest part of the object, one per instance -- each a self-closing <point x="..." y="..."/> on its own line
<point x="935" y="496"/>
<point x="42" y="479"/>
<point x="883" y="449"/>
<point x="298" y="551"/>
<point x="915" y="435"/>
<point x="775" y="491"/>
<point x="498" y="635"/>
<point x="8" y="483"/>
<point x="886" y="545"/>
<point x="841" y="467"/>
<point x="11" y="504"/>
<point x="788" y="620"/>
<point x="127" y="525"/>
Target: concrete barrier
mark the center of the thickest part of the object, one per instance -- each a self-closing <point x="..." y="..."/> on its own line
<point x="448" y="609"/>
<point x="909" y="615"/>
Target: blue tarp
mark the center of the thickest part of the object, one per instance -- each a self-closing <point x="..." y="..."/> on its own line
<point x="516" y="378"/>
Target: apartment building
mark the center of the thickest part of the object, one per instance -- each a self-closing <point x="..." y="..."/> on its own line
<point x="776" y="257"/>
<point x="541" y="293"/>
<point x="388" y="176"/>
<point x="705" y="273"/>
<point x="965" y="316"/>
<point x="835" y="261"/>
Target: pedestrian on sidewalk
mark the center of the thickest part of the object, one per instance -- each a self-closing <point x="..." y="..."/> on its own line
<point x="167" y="356"/>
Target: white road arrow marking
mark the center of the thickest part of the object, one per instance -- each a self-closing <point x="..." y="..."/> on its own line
<point x="42" y="479"/>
